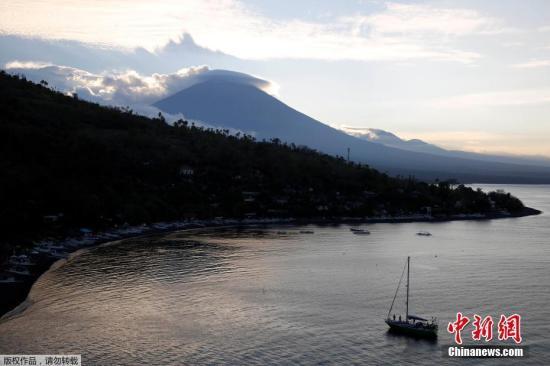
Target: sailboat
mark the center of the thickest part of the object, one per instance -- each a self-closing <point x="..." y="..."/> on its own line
<point x="412" y="324"/>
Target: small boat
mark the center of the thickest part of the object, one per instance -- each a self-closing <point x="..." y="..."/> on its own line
<point x="307" y="232"/>
<point x="47" y="248"/>
<point x="424" y="233"/>
<point x="42" y="248"/>
<point x="360" y="231"/>
<point x="5" y="279"/>
<point x="411" y="325"/>
<point x="19" y="270"/>
<point x="58" y="254"/>
<point x="21" y="260"/>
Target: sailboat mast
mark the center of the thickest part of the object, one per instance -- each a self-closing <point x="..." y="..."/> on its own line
<point x="408" y="271"/>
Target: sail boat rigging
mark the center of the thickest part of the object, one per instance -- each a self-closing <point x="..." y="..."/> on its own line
<point x="412" y="324"/>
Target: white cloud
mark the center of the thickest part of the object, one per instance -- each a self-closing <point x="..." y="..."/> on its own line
<point x="372" y="134"/>
<point x="491" y="99"/>
<point x="396" y="33"/>
<point x="532" y="64"/>
<point x="399" y="32"/>
<point x="425" y="19"/>
<point x="32" y="65"/>
<point x="120" y="88"/>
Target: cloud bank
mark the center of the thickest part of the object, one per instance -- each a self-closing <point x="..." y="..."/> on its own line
<point x="394" y="32"/>
<point x="127" y="87"/>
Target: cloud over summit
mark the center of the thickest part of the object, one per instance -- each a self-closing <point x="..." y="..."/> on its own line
<point x="127" y="87"/>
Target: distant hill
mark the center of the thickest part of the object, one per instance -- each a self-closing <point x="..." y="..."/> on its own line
<point x="85" y="165"/>
<point x="224" y="102"/>
<point x="389" y="139"/>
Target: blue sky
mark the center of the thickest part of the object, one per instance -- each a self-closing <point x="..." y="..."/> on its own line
<point x="465" y="74"/>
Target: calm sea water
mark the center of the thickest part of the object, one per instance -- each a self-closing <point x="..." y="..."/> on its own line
<point x="258" y="296"/>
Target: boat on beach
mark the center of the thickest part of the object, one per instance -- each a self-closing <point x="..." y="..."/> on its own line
<point x="412" y="325"/>
<point x="19" y="270"/>
<point x="47" y="247"/>
<point x="53" y="250"/>
<point x="21" y="260"/>
<point x="58" y="253"/>
<point x="5" y="279"/>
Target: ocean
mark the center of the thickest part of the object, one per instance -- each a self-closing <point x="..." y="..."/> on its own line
<point x="270" y="295"/>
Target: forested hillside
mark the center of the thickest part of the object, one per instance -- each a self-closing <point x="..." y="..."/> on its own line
<point x="67" y="163"/>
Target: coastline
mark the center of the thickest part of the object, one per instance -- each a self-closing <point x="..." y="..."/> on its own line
<point x="17" y="294"/>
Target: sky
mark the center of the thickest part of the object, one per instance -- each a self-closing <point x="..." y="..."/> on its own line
<point x="463" y="74"/>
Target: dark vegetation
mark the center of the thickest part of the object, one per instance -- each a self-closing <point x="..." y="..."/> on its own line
<point x="67" y="163"/>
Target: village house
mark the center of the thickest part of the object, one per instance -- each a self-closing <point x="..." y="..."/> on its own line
<point x="186" y="171"/>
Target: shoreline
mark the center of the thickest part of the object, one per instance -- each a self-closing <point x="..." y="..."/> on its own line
<point x="17" y="293"/>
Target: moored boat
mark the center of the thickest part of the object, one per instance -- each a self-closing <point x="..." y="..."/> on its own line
<point x="411" y="324"/>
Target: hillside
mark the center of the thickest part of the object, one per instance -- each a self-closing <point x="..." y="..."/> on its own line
<point x="68" y="164"/>
<point x="225" y="103"/>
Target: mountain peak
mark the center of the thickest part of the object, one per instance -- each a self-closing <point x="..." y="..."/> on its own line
<point x="230" y="78"/>
<point x="238" y="101"/>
